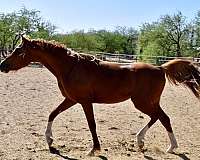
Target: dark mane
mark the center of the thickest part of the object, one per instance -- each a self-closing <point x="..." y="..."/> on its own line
<point x="51" y="46"/>
<point x="56" y="47"/>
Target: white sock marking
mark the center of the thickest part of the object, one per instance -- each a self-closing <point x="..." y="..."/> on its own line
<point x="173" y="142"/>
<point x="48" y="133"/>
<point x="140" y="136"/>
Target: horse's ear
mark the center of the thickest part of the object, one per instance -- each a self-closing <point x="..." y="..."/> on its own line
<point x="24" y="39"/>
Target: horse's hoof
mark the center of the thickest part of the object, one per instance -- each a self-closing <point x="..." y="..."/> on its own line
<point x="49" y="141"/>
<point x="141" y="145"/>
<point x="94" y="152"/>
<point x="54" y="150"/>
<point x="171" y="149"/>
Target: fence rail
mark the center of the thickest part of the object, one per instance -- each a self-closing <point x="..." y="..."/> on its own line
<point x="125" y="58"/>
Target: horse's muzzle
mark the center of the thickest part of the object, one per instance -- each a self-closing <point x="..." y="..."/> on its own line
<point x="4" y="67"/>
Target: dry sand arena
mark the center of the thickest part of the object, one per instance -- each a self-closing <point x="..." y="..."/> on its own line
<point x="30" y="94"/>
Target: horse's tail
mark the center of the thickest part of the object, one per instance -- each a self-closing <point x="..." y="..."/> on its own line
<point x="183" y="72"/>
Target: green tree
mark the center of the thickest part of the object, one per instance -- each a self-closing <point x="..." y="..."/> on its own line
<point x="128" y="39"/>
<point x="196" y="34"/>
<point x="153" y="40"/>
<point x="44" y="30"/>
<point x="167" y="36"/>
<point x="175" y="27"/>
<point x="24" y="21"/>
<point x="7" y="30"/>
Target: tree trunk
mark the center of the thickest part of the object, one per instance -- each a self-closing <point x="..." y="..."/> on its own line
<point x="178" y="50"/>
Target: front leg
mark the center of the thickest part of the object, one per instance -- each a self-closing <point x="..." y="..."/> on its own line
<point x="62" y="107"/>
<point x="88" y="109"/>
<point x="48" y="134"/>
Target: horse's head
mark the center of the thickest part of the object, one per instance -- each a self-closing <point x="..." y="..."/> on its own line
<point x="19" y="58"/>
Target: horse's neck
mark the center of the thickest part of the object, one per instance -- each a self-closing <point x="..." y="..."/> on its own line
<point x="51" y="69"/>
<point x="57" y="63"/>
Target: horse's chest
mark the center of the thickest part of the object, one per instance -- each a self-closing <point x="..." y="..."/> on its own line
<point x="75" y="89"/>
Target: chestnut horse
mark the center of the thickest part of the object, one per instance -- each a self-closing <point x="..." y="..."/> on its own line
<point x="86" y="80"/>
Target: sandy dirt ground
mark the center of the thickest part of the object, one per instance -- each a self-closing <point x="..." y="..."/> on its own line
<point x="30" y="94"/>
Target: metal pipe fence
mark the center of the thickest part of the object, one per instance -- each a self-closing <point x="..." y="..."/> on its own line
<point x="157" y="60"/>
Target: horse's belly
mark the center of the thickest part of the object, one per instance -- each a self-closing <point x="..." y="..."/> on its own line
<point x="113" y="91"/>
<point x="111" y="98"/>
<point x="110" y="101"/>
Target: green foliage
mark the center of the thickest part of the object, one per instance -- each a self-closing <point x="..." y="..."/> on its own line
<point x="24" y="21"/>
<point x="171" y="35"/>
<point x="117" y="41"/>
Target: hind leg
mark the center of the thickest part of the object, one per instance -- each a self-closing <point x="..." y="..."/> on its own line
<point x="164" y="119"/>
<point x="141" y="134"/>
<point x="152" y="111"/>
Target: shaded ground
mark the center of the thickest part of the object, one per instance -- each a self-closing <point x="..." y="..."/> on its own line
<point x="29" y="95"/>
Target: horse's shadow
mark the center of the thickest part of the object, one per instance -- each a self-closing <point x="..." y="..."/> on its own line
<point x="57" y="152"/>
<point x="148" y="157"/>
<point x="181" y="155"/>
